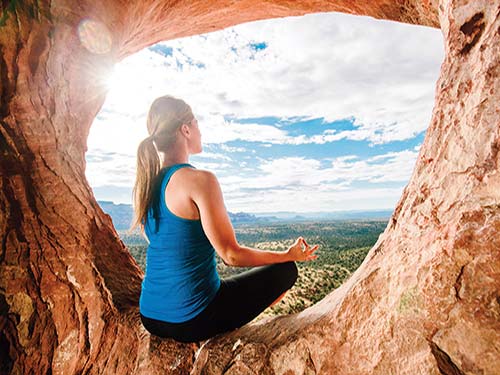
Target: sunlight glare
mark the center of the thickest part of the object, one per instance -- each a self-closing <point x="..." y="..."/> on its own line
<point x="94" y="36"/>
<point x="127" y="88"/>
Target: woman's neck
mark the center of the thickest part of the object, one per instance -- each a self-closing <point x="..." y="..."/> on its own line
<point x="178" y="153"/>
<point x="175" y="160"/>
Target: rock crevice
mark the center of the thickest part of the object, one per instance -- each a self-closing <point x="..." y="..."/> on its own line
<point x="424" y="301"/>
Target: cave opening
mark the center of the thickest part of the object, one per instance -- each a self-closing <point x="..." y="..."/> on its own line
<point x="325" y="110"/>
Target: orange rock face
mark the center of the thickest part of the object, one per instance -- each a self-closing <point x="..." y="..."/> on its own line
<point x="425" y="301"/>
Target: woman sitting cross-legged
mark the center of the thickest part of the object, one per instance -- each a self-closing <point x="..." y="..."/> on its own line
<point x="181" y="211"/>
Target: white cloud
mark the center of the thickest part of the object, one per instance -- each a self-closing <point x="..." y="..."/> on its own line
<point x="212" y="155"/>
<point x="227" y="148"/>
<point x="293" y="171"/>
<point x="380" y="74"/>
<point x="306" y="200"/>
<point x="390" y="167"/>
<point x="119" y="133"/>
<point x="215" y="129"/>
<point x="110" y="168"/>
<point x="321" y="65"/>
<point x="329" y="65"/>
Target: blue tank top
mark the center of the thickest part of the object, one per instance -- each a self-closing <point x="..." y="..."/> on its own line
<point x="181" y="278"/>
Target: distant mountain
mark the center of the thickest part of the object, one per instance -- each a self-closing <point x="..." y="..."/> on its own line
<point x="243" y="217"/>
<point x="334" y="215"/>
<point x="122" y="214"/>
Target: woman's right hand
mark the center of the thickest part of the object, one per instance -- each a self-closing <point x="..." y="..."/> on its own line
<point x="301" y="251"/>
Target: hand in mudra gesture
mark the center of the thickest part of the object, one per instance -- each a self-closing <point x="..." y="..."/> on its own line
<point x="301" y="251"/>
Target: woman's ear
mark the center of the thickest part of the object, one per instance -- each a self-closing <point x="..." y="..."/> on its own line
<point x="185" y="130"/>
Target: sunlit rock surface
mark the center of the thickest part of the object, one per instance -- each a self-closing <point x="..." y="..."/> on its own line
<point x="425" y="301"/>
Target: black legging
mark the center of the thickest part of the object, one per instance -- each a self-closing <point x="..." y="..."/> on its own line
<point x="238" y="301"/>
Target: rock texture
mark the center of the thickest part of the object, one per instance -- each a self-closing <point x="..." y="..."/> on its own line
<point x="425" y="301"/>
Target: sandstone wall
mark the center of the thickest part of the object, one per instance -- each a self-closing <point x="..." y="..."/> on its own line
<point x="425" y="301"/>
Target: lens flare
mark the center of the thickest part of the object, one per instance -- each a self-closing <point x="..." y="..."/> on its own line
<point x="94" y="36"/>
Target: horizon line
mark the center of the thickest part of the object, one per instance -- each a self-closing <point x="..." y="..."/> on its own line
<point x="277" y="212"/>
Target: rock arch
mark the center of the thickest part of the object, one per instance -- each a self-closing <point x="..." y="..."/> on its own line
<point x="425" y="301"/>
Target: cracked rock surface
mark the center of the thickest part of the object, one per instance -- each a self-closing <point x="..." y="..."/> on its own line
<point x="426" y="300"/>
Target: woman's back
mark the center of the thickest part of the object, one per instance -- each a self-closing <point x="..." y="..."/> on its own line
<point x="181" y="277"/>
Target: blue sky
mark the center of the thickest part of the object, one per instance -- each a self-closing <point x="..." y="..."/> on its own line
<point x="323" y="112"/>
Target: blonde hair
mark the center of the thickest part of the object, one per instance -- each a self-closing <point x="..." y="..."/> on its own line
<point x="165" y="117"/>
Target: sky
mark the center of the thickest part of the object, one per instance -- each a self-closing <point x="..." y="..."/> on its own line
<point x="323" y="112"/>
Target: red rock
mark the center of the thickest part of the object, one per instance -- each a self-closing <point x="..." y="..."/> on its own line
<point x="425" y="300"/>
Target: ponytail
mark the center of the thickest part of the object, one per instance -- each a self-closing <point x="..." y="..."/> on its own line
<point x="165" y="116"/>
<point x="148" y="166"/>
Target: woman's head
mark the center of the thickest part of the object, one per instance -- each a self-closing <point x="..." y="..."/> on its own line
<point x="166" y="116"/>
<point x="172" y="128"/>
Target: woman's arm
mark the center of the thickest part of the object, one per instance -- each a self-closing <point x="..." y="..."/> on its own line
<point x="207" y="195"/>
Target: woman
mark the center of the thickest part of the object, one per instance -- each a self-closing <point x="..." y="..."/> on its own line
<point x="181" y="211"/>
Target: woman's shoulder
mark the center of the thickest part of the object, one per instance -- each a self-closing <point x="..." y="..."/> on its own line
<point x="198" y="173"/>
<point x="198" y="181"/>
<point x="197" y="176"/>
